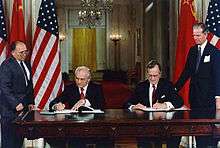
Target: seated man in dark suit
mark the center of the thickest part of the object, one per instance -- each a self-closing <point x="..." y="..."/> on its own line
<point x="154" y="92"/>
<point x="81" y="93"/>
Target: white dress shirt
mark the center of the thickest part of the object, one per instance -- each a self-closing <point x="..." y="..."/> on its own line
<point x="169" y="104"/>
<point x="26" y="70"/>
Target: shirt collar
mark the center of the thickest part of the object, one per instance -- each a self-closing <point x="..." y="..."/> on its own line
<point x="84" y="88"/>
<point x="203" y="45"/>
<point x="151" y="85"/>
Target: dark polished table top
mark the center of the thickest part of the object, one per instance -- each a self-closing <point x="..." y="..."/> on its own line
<point x="120" y="123"/>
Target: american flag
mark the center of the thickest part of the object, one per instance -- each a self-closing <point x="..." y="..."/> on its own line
<point x="3" y="34"/>
<point x="213" y="22"/>
<point x="45" y="58"/>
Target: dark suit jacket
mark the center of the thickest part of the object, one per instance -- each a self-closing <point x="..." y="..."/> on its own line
<point x="165" y="92"/>
<point x="204" y="84"/>
<point x="71" y="95"/>
<point x="217" y="73"/>
<point x="13" y="87"/>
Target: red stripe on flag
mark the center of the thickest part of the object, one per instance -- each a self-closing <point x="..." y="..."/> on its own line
<point x="2" y="46"/>
<point x="218" y="45"/>
<point x="209" y="37"/>
<point x="36" y="34"/>
<point x="61" y="87"/>
<point x="46" y="67"/>
<point x="50" y="87"/>
<point x="46" y="79"/>
<point x="40" y="51"/>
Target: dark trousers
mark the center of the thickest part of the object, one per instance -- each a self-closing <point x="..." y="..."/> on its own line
<point x="8" y="134"/>
<point x="206" y="142"/>
<point x="172" y="142"/>
<point x="79" y="142"/>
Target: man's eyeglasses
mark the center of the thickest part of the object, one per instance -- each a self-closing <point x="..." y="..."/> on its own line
<point x="24" y="52"/>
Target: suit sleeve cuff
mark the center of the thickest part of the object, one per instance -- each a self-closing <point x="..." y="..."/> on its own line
<point x="87" y="103"/>
<point x="130" y="107"/>
<point x="217" y="97"/>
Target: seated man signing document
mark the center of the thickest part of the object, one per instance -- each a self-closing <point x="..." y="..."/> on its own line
<point x="81" y="93"/>
<point x="155" y="92"/>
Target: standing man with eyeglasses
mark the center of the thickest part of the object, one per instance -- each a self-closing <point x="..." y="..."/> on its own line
<point x="155" y="92"/>
<point x="16" y="93"/>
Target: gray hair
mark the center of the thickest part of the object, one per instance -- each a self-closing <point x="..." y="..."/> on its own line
<point x="202" y="26"/>
<point x="84" y="69"/>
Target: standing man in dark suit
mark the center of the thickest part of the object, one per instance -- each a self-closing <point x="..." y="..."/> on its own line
<point x="16" y="92"/>
<point x="202" y="62"/>
<point x="201" y="67"/>
<point x="81" y="93"/>
<point x="155" y="92"/>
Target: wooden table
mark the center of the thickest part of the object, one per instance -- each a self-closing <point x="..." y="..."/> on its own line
<point x="118" y="123"/>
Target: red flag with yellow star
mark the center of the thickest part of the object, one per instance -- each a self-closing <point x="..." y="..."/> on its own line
<point x="184" y="42"/>
<point x="17" y="23"/>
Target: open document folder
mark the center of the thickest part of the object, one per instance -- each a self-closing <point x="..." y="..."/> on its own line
<point x="82" y="109"/>
<point x="149" y="109"/>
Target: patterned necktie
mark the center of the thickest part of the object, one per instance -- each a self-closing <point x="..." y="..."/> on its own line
<point x="154" y="94"/>
<point x="198" y="58"/>
<point x="24" y="71"/>
<point x="81" y="93"/>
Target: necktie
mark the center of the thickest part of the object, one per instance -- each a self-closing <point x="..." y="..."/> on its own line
<point x="81" y="93"/>
<point x="24" y="71"/>
<point x="198" y="58"/>
<point x="154" y="94"/>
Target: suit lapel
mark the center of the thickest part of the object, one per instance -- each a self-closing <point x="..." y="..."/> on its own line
<point x="146" y="89"/>
<point x="76" y="92"/>
<point x="206" y="52"/>
<point x="159" y="85"/>
<point x="18" y="69"/>
<point x="17" y="66"/>
<point x="88" y="91"/>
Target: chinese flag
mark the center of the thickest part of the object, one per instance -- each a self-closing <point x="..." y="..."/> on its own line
<point x="17" y="23"/>
<point x="184" y="42"/>
<point x="17" y="31"/>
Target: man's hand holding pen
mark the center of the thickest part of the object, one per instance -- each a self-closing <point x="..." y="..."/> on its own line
<point x="81" y="102"/>
<point x="59" y="106"/>
<point x="158" y="105"/>
<point x="139" y="106"/>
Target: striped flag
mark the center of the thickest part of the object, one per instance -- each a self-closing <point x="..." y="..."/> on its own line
<point x="213" y="22"/>
<point x="45" y="58"/>
<point x="3" y="34"/>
